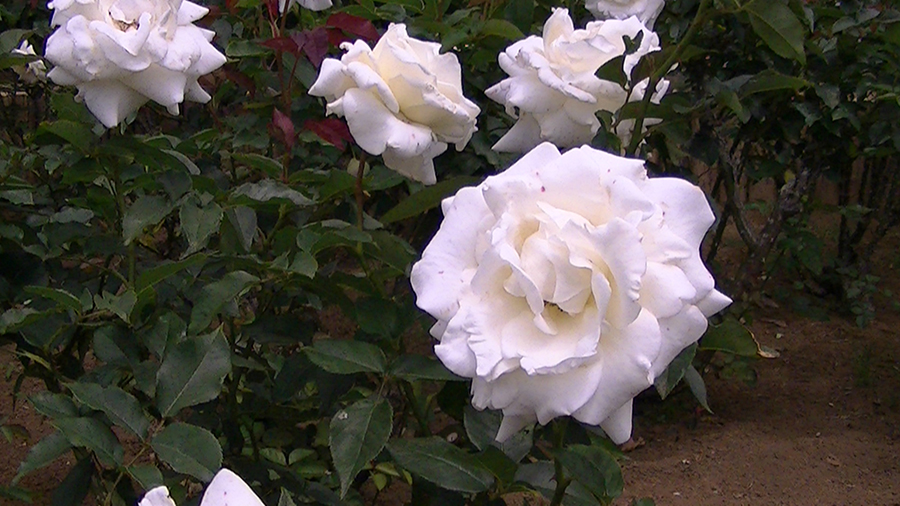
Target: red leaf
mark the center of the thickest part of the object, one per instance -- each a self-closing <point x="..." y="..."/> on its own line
<point x="286" y="44"/>
<point x="330" y="130"/>
<point x="282" y="128"/>
<point x="236" y="76"/>
<point x="337" y="37"/>
<point x="231" y="5"/>
<point x="316" y="45"/>
<point x="355" y="25"/>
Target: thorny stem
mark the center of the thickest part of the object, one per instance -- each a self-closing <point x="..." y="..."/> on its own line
<point x="659" y="72"/>
<point x="562" y="482"/>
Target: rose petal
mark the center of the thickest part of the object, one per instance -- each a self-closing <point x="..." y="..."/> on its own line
<point x="618" y="425"/>
<point x="110" y="101"/>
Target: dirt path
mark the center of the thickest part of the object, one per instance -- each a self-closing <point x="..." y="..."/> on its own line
<point x="821" y="427"/>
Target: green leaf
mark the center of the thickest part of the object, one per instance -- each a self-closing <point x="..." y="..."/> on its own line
<point x="376" y="316"/>
<point x="269" y="189"/>
<point x="698" y="387"/>
<point x="199" y="223"/>
<point x="75" y="486"/>
<point x="770" y="80"/>
<point x="94" y="435"/>
<point x="417" y="367"/>
<point x="667" y="381"/>
<point x="53" y="405"/>
<point x="61" y="297"/>
<point x="120" y="406"/>
<point x="42" y="454"/>
<point x="594" y="468"/>
<point x="730" y="336"/>
<point x="14" y="493"/>
<point x="73" y="132"/>
<point x="243" y="221"/>
<point x="151" y="277"/>
<point x="441" y="463"/>
<point x="356" y="435"/>
<point x="613" y="71"/>
<point x="215" y="295"/>
<point x="147" y="476"/>
<point x="778" y="27"/>
<point x="187" y="162"/>
<point x="268" y="166"/>
<point x="346" y="357"/>
<point x="427" y="198"/>
<point x="192" y="372"/>
<point x="147" y="210"/>
<point x="189" y="449"/>
<point x="502" y="28"/>
<point x="520" y="13"/>
<point x="482" y="427"/>
<point x="730" y="99"/>
<point x="120" y="305"/>
<point x="499" y="464"/>
<point x="304" y="264"/>
<point x="167" y="330"/>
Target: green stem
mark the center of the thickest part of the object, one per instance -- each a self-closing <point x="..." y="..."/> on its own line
<point x="658" y="73"/>
<point x="562" y="481"/>
<point x="360" y="195"/>
<point x="417" y="409"/>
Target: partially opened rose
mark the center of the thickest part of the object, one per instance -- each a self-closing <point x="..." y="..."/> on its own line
<point x="553" y="89"/>
<point x="645" y="10"/>
<point x="122" y="53"/>
<point x="33" y="71"/>
<point x="402" y="99"/>
<point x="566" y="284"/>
<point x="225" y="489"/>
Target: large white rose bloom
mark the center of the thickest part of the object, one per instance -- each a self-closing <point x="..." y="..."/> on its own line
<point x="225" y="489"/>
<point x="645" y="10"/>
<point x="122" y="53"/>
<point x="566" y="284"/>
<point x="553" y="89"/>
<point x="402" y="99"/>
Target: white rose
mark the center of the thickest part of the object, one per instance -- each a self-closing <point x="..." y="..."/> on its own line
<point x="645" y="10"/>
<point x="553" y="89"/>
<point x="402" y="100"/>
<point x="122" y="53"/>
<point x="313" y="5"/>
<point x="33" y="71"/>
<point x="566" y="284"/>
<point x="225" y="489"/>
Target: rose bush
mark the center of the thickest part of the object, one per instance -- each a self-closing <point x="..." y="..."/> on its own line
<point x="645" y="10"/>
<point x="566" y="284"/>
<point x="225" y="489"/>
<point x="553" y="89"/>
<point x="402" y="99"/>
<point x="122" y="53"/>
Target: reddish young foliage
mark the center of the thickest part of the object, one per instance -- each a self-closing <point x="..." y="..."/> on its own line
<point x="282" y="128"/>
<point x="353" y="25"/>
<point x="330" y="130"/>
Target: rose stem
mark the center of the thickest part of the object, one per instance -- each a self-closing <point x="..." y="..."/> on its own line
<point x="559" y="441"/>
